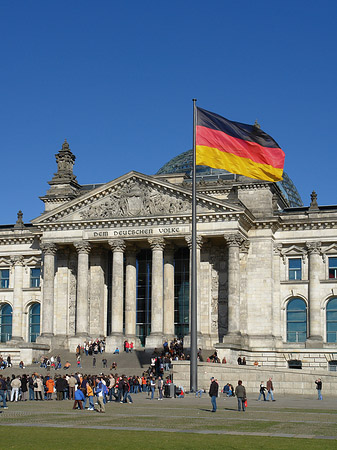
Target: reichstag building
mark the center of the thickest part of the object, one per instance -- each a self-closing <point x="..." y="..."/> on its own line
<point x="113" y="260"/>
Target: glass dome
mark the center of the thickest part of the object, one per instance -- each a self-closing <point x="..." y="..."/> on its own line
<point x="183" y="164"/>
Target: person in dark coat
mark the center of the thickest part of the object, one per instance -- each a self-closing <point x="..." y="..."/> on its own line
<point x="213" y="392"/>
<point x="60" y="386"/>
<point x="240" y="392"/>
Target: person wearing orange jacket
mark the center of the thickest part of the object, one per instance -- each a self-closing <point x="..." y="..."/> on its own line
<point x="50" y="388"/>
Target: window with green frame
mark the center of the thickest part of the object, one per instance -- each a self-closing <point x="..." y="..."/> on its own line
<point x="331" y="320"/>
<point x="296" y="320"/>
<point x="34" y="322"/>
<point x="295" y="269"/>
<point x="35" y="274"/>
<point x="4" y="278"/>
<point x="6" y="318"/>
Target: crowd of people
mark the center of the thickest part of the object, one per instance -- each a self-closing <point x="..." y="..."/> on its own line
<point x="80" y="388"/>
<point x="91" y="347"/>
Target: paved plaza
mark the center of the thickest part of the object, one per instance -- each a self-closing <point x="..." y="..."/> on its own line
<point x="296" y="416"/>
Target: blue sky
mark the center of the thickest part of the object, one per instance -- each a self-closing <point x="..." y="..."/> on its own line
<point x="117" y="78"/>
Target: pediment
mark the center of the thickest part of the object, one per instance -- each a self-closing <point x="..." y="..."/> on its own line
<point x="133" y="196"/>
<point x="331" y="250"/>
<point x="294" y="250"/>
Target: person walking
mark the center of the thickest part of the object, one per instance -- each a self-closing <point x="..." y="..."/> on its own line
<point x="319" y="388"/>
<point x="270" y="389"/>
<point x="262" y="389"/>
<point x="213" y="392"/>
<point x="240" y="392"/>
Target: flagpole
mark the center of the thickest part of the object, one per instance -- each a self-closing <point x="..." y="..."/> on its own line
<point x="194" y="331"/>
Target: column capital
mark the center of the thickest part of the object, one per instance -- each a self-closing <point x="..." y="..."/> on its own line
<point x="234" y="239"/>
<point x="17" y="260"/>
<point x="157" y="243"/>
<point x="82" y="247"/>
<point x="313" y="247"/>
<point x="48" y="248"/>
<point x="131" y="250"/>
<point x="199" y="241"/>
<point x="117" y="245"/>
<point x="244" y="246"/>
<point x="169" y="248"/>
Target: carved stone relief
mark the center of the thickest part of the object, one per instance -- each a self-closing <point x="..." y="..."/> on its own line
<point x="140" y="199"/>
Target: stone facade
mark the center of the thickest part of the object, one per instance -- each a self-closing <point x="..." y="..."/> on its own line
<point x="87" y="244"/>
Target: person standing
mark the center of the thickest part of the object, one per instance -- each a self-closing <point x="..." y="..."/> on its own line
<point x="240" y="392"/>
<point x="79" y="398"/>
<point x="319" y="388"/>
<point x="50" y="383"/>
<point x="100" y="395"/>
<point x="160" y="388"/>
<point x="3" y="392"/>
<point x="270" y="389"/>
<point x="16" y="384"/>
<point x="152" y="387"/>
<point x="38" y="388"/>
<point x="72" y="382"/>
<point x="24" y="388"/>
<point x="213" y="392"/>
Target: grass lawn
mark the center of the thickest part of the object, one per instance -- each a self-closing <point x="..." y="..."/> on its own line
<point x="16" y="437"/>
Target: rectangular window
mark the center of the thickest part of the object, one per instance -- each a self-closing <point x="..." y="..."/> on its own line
<point x="295" y="269"/>
<point x="35" y="277"/>
<point x="4" y="279"/>
<point x="333" y="268"/>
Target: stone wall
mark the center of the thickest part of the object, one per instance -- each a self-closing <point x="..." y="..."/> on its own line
<point x="285" y="381"/>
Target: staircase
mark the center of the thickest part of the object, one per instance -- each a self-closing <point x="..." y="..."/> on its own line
<point x="134" y="363"/>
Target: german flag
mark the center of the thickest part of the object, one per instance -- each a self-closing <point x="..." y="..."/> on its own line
<point x="237" y="147"/>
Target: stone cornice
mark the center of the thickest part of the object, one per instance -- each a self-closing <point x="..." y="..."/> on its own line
<point x="308" y="225"/>
<point x="12" y="240"/>
<point x="145" y="221"/>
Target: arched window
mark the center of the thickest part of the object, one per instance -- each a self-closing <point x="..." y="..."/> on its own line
<point x="34" y="322"/>
<point x="296" y="320"/>
<point x="331" y="320"/>
<point x="6" y="318"/>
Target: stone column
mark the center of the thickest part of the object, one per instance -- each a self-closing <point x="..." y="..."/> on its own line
<point x="169" y="292"/>
<point x="199" y="240"/>
<point x="130" y="293"/>
<point x="279" y="260"/>
<point x="96" y="312"/>
<point x="47" y="323"/>
<point x="118" y="248"/>
<point x="82" y="306"/>
<point x="17" y="299"/>
<point x="315" y="261"/>
<point x="157" y="293"/>
<point x="233" y="242"/>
